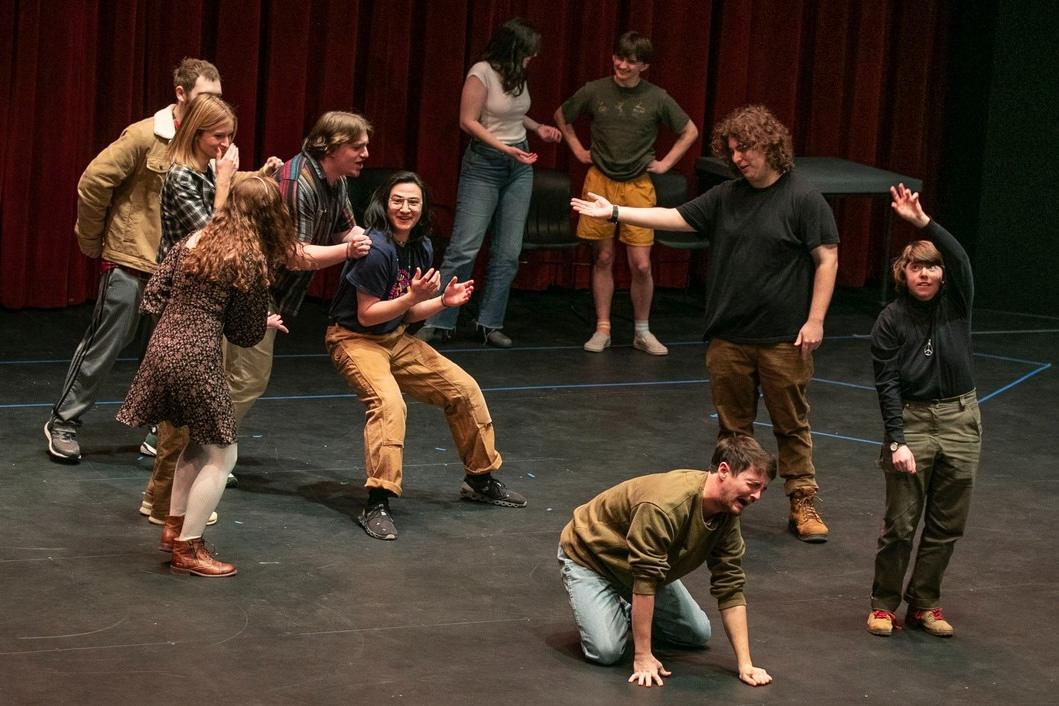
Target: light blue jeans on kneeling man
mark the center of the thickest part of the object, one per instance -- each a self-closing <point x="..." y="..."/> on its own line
<point x="605" y="620"/>
<point x="494" y="189"/>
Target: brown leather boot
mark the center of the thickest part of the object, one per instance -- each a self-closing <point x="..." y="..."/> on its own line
<point x="170" y="531"/>
<point x="804" y="520"/>
<point x="192" y="557"/>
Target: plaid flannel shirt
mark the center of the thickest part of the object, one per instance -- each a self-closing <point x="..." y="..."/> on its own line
<point x="322" y="214"/>
<point x="187" y="204"/>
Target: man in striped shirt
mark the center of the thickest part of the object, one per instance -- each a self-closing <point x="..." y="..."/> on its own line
<point x="313" y="184"/>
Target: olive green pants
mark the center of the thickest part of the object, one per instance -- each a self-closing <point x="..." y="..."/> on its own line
<point x="945" y="438"/>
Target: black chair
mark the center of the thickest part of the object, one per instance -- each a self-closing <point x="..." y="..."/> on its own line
<point x="549" y="224"/>
<point x="671" y="189"/>
<point x="548" y="221"/>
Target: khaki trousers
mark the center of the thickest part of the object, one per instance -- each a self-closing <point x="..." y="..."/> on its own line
<point x="379" y="368"/>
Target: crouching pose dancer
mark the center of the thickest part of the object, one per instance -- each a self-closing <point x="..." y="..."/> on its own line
<point x="213" y="283"/>
<point x="623" y="553"/>
<point x="921" y="346"/>
<point x="377" y="297"/>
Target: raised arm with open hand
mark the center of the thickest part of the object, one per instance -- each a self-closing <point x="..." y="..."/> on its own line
<point x="906" y="205"/>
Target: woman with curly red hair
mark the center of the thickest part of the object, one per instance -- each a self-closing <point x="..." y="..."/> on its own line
<point x="212" y="283"/>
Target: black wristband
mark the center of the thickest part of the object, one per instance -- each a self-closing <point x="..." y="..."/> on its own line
<point x="614" y="214"/>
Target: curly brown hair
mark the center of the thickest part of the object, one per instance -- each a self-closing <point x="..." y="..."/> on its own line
<point x="918" y="251"/>
<point x="755" y="127"/>
<point x="247" y="239"/>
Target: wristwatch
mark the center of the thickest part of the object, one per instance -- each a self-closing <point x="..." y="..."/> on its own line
<point x="894" y="445"/>
<point x="614" y="214"/>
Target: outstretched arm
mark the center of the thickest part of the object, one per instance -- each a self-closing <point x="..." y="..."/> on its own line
<point x="734" y="620"/>
<point x="316" y="257"/>
<point x="655" y="217"/>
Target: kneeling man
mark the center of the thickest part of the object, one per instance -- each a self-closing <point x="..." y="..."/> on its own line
<point x="623" y="553"/>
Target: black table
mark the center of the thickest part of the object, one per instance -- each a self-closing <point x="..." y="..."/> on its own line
<point x="834" y="178"/>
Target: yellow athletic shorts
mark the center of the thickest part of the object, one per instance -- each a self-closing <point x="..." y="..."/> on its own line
<point x="640" y="193"/>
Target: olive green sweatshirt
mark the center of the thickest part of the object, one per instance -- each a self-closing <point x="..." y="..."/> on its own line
<point x="650" y="531"/>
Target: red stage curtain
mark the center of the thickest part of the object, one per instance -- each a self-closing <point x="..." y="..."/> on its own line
<point x="862" y="81"/>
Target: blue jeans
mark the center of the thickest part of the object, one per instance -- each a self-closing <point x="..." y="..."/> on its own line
<point x="496" y="189"/>
<point x="604" y="614"/>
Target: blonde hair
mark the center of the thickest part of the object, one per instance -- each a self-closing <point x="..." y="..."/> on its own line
<point x="247" y="239"/>
<point x="206" y="112"/>
<point x="333" y="129"/>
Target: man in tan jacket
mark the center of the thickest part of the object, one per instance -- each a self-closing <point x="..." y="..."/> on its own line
<point x="624" y="552"/>
<point x="119" y="221"/>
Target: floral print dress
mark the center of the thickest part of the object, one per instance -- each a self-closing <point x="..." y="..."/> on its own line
<point x="181" y="379"/>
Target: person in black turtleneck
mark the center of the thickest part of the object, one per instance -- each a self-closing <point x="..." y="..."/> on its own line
<point x="921" y="348"/>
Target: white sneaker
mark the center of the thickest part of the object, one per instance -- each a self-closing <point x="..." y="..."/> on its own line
<point x="598" y="343"/>
<point x="647" y="343"/>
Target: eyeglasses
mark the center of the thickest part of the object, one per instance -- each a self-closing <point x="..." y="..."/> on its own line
<point x="400" y="202"/>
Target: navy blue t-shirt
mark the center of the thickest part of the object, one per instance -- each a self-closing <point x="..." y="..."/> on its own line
<point x="385" y="272"/>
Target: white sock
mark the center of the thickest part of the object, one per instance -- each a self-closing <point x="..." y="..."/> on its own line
<point x="641" y="327"/>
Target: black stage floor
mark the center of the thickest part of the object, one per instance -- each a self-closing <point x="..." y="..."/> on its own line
<point x="467" y="607"/>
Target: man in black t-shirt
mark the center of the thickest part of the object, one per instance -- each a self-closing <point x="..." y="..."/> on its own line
<point x="771" y="276"/>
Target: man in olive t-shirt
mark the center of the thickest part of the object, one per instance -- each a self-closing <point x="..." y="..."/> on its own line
<point x="626" y="111"/>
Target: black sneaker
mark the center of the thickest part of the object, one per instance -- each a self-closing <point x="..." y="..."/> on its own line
<point x="491" y="491"/>
<point x="62" y="443"/>
<point x="376" y="521"/>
